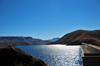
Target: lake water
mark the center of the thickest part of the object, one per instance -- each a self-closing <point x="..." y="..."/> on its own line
<point x="55" y="55"/>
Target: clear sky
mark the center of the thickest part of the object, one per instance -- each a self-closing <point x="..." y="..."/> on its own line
<point x="46" y="19"/>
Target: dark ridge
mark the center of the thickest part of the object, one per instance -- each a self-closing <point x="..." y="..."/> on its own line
<point x="79" y="36"/>
<point x="14" y="43"/>
<point x="12" y="56"/>
<point x="23" y="39"/>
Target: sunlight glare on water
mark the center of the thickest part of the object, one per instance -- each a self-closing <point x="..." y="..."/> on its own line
<point x="56" y="55"/>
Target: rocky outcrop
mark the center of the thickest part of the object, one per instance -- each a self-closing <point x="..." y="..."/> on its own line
<point x="79" y="36"/>
<point x="11" y="56"/>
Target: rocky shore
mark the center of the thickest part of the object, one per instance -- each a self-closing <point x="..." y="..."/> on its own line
<point x="12" y="56"/>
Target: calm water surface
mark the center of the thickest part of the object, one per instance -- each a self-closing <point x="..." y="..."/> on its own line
<point x="55" y="55"/>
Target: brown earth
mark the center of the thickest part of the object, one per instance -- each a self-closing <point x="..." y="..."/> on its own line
<point x="79" y="36"/>
<point x="11" y="56"/>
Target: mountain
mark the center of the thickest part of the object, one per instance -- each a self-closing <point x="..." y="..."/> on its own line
<point x="54" y="39"/>
<point x="79" y="36"/>
<point x="14" y="43"/>
<point x="23" y="39"/>
<point x="12" y="56"/>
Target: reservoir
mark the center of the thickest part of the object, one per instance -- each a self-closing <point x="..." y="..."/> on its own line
<point x="55" y="55"/>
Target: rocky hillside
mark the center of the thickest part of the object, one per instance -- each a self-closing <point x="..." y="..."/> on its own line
<point x="79" y="36"/>
<point x="11" y="56"/>
<point x="23" y="39"/>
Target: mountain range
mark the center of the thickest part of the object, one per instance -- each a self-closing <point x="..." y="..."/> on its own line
<point x="24" y="39"/>
<point x="79" y="36"/>
<point x="54" y="39"/>
<point x="19" y="40"/>
<point x="73" y="38"/>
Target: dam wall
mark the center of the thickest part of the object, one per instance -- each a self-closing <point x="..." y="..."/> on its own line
<point x="91" y="48"/>
<point x="92" y="57"/>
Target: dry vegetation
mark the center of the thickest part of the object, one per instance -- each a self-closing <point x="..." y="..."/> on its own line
<point x="79" y="36"/>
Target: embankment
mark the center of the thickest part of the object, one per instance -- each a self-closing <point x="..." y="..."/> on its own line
<point x="91" y="48"/>
<point x="91" y="55"/>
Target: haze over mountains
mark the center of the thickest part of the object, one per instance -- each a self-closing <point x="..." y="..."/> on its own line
<point x="79" y="36"/>
<point x="54" y="39"/>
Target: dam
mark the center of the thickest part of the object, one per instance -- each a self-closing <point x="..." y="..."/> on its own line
<point x="91" y="55"/>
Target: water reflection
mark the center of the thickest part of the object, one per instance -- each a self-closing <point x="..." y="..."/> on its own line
<point x="56" y="55"/>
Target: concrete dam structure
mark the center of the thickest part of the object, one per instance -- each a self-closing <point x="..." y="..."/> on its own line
<point x="91" y="55"/>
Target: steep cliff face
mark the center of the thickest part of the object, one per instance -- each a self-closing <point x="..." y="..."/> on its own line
<point x="79" y="36"/>
<point x="11" y="56"/>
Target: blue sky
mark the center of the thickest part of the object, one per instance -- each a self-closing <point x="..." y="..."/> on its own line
<point x="46" y="19"/>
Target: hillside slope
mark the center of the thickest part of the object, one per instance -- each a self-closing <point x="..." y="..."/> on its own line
<point x="12" y="56"/>
<point x="79" y="36"/>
